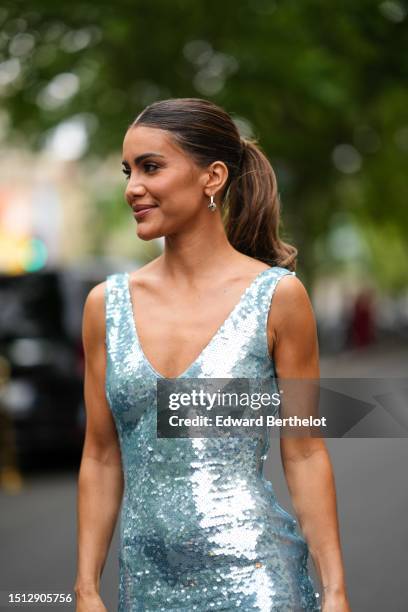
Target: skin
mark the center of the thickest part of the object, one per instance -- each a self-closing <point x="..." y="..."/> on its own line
<point x="198" y="294"/>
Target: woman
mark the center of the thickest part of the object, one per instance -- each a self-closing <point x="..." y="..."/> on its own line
<point x="200" y="527"/>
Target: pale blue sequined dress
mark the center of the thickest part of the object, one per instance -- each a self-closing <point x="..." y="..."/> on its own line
<point x="200" y="527"/>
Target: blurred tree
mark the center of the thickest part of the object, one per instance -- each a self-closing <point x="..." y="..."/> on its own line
<point x="322" y="86"/>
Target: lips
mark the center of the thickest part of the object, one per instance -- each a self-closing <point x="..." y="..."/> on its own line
<point x="140" y="207"/>
<point x="141" y="210"/>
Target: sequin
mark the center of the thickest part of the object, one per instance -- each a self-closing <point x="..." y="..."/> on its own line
<point x="200" y="526"/>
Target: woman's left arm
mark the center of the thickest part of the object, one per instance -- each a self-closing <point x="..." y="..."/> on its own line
<point x="293" y="335"/>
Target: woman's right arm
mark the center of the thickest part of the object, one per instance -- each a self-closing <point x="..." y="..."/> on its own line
<point x="100" y="481"/>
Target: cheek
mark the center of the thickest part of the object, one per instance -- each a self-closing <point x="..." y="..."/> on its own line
<point x="176" y="188"/>
<point x="162" y="185"/>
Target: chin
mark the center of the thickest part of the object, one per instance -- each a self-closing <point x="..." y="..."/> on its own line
<point x="148" y="233"/>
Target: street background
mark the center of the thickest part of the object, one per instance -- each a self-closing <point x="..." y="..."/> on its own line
<point x="323" y="88"/>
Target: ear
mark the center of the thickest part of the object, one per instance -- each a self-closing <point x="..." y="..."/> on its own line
<point x="215" y="177"/>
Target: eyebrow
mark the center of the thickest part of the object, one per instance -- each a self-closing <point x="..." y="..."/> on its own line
<point x="140" y="158"/>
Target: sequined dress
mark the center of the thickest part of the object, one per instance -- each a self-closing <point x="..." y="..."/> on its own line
<point x="200" y="527"/>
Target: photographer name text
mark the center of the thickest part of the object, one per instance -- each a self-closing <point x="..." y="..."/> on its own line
<point x="260" y="421"/>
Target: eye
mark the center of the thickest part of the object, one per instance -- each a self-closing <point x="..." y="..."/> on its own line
<point x="152" y="167"/>
<point x="126" y="172"/>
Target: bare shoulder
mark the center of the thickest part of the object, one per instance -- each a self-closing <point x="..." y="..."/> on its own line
<point x="291" y="309"/>
<point x="95" y="300"/>
<point x="93" y="323"/>
<point x="250" y="266"/>
<point x="290" y="294"/>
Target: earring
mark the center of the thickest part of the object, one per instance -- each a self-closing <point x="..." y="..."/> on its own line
<point x="212" y="205"/>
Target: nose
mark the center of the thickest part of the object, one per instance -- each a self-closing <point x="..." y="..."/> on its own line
<point x="134" y="189"/>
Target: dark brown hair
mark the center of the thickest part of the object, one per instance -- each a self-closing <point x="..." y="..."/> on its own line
<point x="250" y="200"/>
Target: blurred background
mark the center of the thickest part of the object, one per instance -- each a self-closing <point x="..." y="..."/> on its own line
<point x="324" y="90"/>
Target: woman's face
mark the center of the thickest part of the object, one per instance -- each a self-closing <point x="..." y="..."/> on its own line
<point x="163" y="178"/>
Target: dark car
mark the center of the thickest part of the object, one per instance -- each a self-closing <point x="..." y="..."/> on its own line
<point x="41" y="390"/>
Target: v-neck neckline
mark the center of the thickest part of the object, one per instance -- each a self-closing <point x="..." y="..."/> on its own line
<point x="208" y="344"/>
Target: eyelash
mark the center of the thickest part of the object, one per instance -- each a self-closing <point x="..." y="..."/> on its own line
<point x="126" y="172"/>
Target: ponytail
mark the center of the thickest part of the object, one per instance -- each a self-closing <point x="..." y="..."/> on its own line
<point x="252" y="213"/>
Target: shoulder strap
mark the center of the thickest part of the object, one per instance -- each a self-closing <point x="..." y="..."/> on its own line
<point x="116" y="307"/>
<point x="270" y="282"/>
<point x="264" y="288"/>
<point x="264" y="294"/>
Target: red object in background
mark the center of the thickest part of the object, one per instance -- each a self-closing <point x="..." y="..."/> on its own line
<point x="362" y="324"/>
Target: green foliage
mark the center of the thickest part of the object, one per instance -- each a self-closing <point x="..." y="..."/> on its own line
<point x="306" y="76"/>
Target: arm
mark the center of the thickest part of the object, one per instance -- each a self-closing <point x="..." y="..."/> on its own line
<point x="306" y="463"/>
<point x="100" y="482"/>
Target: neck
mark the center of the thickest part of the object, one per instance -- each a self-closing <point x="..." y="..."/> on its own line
<point x="198" y="254"/>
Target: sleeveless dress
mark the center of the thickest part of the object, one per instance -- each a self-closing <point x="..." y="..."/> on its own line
<point x="200" y="527"/>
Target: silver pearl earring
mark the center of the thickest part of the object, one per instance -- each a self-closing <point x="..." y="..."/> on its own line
<point x="212" y="205"/>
